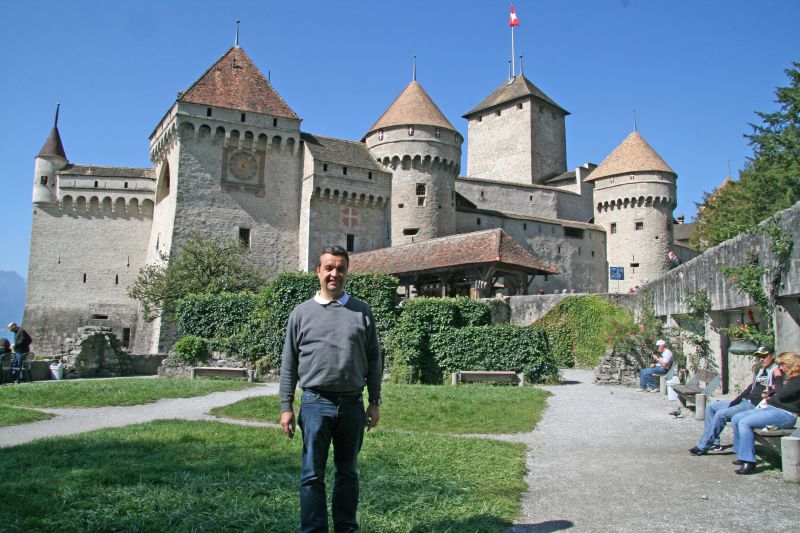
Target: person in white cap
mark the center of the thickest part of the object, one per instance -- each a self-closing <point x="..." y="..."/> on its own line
<point x="659" y="367"/>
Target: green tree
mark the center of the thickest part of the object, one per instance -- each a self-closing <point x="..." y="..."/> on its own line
<point x="201" y="266"/>
<point x="770" y="180"/>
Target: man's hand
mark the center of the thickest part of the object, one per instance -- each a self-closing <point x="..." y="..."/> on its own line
<point x="373" y="415"/>
<point x="287" y="423"/>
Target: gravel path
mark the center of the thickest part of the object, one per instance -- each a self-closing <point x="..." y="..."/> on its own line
<point x="72" y="421"/>
<point x="611" y="459"/>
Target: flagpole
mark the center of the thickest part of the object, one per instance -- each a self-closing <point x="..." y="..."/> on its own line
<point x="513" y="67"/>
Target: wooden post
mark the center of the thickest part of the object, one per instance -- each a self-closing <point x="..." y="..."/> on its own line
<point x="790" y="458"/>
<point x="700" y="407"/>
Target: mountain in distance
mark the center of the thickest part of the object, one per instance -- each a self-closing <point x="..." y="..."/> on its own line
<point x="12" y="300"/>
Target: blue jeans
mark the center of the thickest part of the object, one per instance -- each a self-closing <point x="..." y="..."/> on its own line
<point x="16" y="367"/>
<point x="718" y="414"/>
<point x="646" y="380"/>
<point x="326" y="418"/>
<point x="744" y="423"/>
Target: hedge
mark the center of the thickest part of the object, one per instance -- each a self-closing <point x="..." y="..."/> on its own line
<point x="410" y="355"/>
<point x="214" y="315"/>
<point x="581" y="328"/>
<point x="191" y="350"/>
<point x="260" y="334"/>
<point x="503" y="347"/>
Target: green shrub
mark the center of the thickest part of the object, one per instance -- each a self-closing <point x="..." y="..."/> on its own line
<point x="263" y="334"/>
<point x="191" y="350"/>
<point x="214" y="315"/>
<point x="410" y="355"/>
<point x="502" y="347"/>
<point x="581" y="328"/>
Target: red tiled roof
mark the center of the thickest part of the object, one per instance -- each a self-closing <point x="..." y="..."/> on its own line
<point x="480" y="247"/>
<point x="413" y="106"/>
<point x="235" y="82"/>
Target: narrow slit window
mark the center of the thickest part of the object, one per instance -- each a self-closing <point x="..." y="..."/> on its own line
<point x="242" y="118"/>
<point x="208" y="111"/>
<point x="274" y="122"/>
<point x="244" y="237"/>
<point x="351" y="242"/>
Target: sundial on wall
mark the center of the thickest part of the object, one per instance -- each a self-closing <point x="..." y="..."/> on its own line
<point x="243" y="166"/>
<point x="243" y="171"/>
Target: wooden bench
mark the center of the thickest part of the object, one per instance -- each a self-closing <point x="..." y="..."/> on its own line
<point x="785" y="443"/>
<point x="693" y="393"/>
<point x="221" y="372"/>
<point x="466" y="376"/>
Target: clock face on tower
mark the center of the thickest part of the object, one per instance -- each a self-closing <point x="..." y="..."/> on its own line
<point x="243" y="165"/>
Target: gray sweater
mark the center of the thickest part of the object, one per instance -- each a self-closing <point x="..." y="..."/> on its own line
<point x="331" y="348"/>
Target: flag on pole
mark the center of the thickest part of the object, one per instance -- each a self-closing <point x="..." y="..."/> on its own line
<point x="513" y="20"/>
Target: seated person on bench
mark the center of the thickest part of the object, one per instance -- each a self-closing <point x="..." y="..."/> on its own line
<point x="662" y="362"/>
<point x="721" y="412"/>
<point x="780" y="409"/>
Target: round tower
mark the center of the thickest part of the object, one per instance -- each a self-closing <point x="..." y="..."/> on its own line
<point x="634" y="195"/>
<point x="51" y="159"/>
<point x="423" y="150"/>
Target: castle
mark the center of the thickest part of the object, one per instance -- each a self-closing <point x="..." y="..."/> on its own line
<point x="230" y="160"/>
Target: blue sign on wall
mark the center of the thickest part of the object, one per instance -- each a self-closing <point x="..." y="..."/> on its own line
<point x="617" y="273"/>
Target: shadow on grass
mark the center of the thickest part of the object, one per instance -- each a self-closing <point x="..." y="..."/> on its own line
<point x="543" y="527"/>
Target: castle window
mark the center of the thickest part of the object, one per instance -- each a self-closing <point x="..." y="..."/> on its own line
<point x="208" y="111"/>
<point x="274" y="122"/>
<point x="43" y="180"/>
<point x="613" y="227"/>
<point x="126" y="337"/>
<point x="479" y="221"/>
<point x="559" y="248"/>
<point x="497" y="112"/>
<point x="369" y="175"/>
<point x="116" y="279"/>
<point x="421" y="201"/>
<point x="545" y="277"/>
<point x="592" y="253"/>
<point x="351" y="242"/>
<point x="410" y="232"/>
<point x="400" y="206"/>
<point x="481" y="194"/>
<point x="84" y="277"/>
<point x="634" y="265"/>
<point x="344" y="171"/>
<point x="480" y="118"/>
<point x="438" y="133"/>
<point x="573" y="233"/>
<point x="421" y="189"/>
<point x="524" y="226"/>
<point x="411" y="130"/>
<point x="579" y="250"/>
<point x="380" y="135"/>
<point x="241" y="119"/>
<point x="638" y="225"/>
<point x="519" y="105"/>
<point x="126" y="185"/>
<point x="244" y="237"/>
<point x="95" y="184"/>
<point x="531" y="198"/>
<point x="325" y="167"/>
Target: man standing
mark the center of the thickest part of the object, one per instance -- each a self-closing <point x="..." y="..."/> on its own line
<point x="721" y="412"/>
<point x="332" y="352"/>
<point x="674" y="260"/>
<point x="21" y="346"/>
<point x="662" y="363"/>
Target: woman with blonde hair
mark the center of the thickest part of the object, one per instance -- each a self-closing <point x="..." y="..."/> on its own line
<point x="780" y="408"/>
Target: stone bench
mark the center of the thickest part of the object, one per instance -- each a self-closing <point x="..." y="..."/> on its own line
<point x="467" y="376"/>
<point x="221" y="372"/>
<point x="786" y="443"/>
<point x="694" y="393"/>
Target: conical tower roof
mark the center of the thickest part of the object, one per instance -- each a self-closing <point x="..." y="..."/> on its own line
<point x="413" y="106"/>
<point x="514" y="89"/>
<point x="53" y="146"/>
<point x="634" y="154"/>
<point x="235" y="82"/>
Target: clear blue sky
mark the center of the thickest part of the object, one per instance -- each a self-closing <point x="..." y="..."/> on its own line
<point x="695" y="71"/>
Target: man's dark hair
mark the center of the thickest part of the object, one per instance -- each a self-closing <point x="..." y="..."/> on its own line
<point x="334" y="250"/>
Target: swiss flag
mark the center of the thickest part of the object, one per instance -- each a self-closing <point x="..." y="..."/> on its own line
<point x="513" y="20"/>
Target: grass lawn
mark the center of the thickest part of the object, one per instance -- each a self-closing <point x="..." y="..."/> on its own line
<point x="208" y="476"/>
<point x="442" y="409"/>
<point x="11" y="416"/>
<point x="110" y="392"/>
